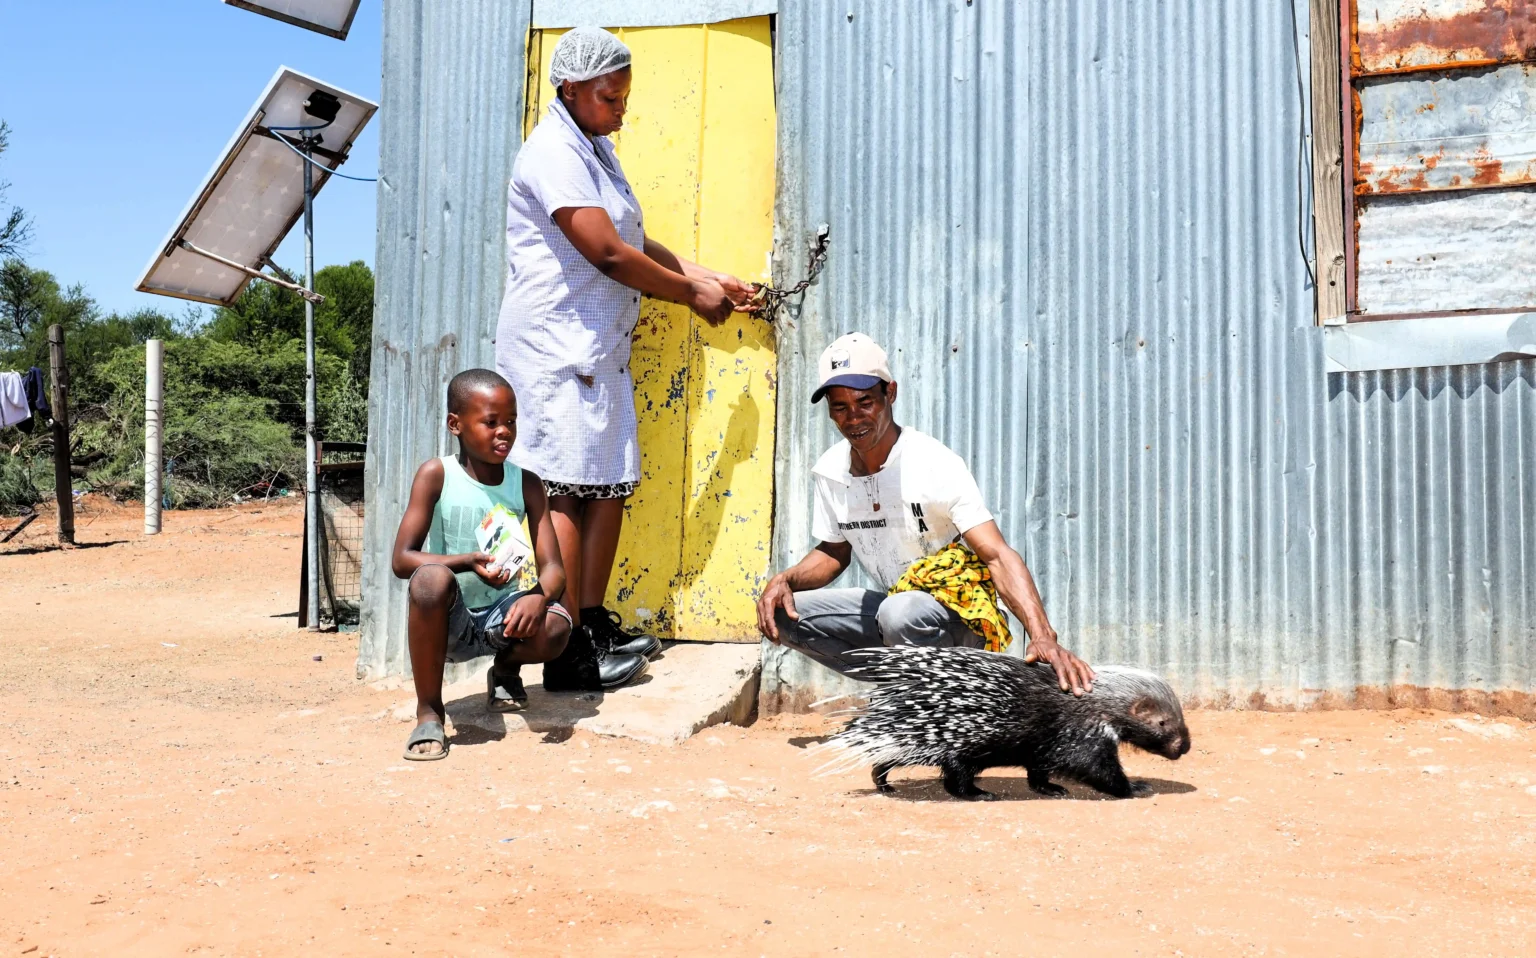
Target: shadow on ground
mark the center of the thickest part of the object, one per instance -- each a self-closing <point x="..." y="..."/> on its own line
<point x="1015" y="788"/>
<point x="553" y="715"/>
<point x="38" y="550"/>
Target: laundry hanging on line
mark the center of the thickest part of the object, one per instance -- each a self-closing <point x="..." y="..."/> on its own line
<point x="22" y="397"/>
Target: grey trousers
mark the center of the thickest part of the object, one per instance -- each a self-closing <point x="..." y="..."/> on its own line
<point x="832" y="621"/>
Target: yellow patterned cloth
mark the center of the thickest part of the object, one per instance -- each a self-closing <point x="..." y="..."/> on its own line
<point x="960" y="581"/>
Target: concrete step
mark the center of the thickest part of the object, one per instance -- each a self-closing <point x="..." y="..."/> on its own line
<point x="690" y="686"/>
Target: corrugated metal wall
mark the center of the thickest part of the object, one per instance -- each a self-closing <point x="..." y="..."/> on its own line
<point x="1075" y="225"/>
<point x="451" y="115"/>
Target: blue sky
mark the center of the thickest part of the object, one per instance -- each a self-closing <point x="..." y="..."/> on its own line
<point x="119" y="108"/>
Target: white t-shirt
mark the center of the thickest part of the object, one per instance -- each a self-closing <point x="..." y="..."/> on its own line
<point x="916" y="505"/>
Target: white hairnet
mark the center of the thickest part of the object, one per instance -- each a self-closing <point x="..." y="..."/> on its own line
<point x="586" y="52"/>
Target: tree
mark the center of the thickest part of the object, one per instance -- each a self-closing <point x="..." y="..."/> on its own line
<point x="234" y="388"/>
<point x="90" y="344"/>
<point x="23" y="294"/>
<point x="15" y="228"/>
<point x="30" y="302"/>
<point x="348" y="307"/>
<point x="266" y="315"/>
<point x="263" y="315"/>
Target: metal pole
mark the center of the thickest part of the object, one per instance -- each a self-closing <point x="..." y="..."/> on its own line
<point x="311" y="483"/>
<point x="154" y="358"/>
<point x="63" y="483"/>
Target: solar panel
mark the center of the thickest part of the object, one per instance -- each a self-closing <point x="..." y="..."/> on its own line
<point x="330" y="17"/>
<point x="254" y="194"/>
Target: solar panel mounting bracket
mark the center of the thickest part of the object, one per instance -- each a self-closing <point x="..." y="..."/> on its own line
<point x="308" y="294"/>
<point x="298" y="144"/>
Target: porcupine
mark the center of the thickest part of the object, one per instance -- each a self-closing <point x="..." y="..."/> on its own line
<point x="966" y="710"/>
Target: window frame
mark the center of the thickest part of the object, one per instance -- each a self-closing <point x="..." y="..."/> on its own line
<point x="1363" y="341"/>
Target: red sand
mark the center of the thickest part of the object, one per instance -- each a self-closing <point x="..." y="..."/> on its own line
<point x="178" y="775"/>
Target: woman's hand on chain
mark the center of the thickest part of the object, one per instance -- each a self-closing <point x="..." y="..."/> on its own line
<point x="708" y="298"/>
<point x="741" y="295"/>
<point x="716" y="297"/>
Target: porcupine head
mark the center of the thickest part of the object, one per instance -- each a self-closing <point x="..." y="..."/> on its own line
<point x="1143" y="710"/>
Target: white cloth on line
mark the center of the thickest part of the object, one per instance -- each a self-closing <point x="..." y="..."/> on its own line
<point x="562" y="319"/>
<point x="14" y="407"/>
<point x="913" y="507"/>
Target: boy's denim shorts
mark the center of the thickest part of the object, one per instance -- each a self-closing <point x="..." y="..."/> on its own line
<point x="473" y="633"/>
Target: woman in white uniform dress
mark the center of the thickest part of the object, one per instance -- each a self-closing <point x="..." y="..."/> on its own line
<point x="578" y="260"/>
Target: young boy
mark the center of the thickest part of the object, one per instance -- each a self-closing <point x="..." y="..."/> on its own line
<point x="462" y="605"/>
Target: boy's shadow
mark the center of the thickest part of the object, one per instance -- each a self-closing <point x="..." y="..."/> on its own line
<point x="554" y="715"/>
<point x="1015" y="789"/>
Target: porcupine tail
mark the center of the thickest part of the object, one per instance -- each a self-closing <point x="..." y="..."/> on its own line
<point x="924" y="706"/>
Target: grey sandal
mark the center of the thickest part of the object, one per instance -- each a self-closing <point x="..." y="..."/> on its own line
<point x="431" y="731"/>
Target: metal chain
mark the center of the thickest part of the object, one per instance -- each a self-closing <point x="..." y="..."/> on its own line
<point x="767" y="299"/>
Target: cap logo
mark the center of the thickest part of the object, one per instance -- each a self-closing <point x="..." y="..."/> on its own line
<point x="840" y="359"/>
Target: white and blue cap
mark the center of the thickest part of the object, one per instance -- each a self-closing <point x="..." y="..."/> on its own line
<point x="855" y="361"/>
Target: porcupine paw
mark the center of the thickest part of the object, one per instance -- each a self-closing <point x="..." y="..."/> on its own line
<point x="1049" y="790"/>
<point x="885" y="788"/>
<point x="1140" y="789"/>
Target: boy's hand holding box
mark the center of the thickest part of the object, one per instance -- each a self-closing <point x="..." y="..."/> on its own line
<point x="501" y="537"/>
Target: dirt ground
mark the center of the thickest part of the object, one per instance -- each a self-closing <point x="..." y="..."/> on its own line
<point x="179" y="775"/>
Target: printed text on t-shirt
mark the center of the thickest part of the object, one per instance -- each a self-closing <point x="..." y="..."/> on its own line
<point x="862" y="524"/>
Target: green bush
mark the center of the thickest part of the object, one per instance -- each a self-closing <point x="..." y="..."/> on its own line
<point x="234" y="387"/>
<point x="18" y="483"/>
<point x="233" y="417"/>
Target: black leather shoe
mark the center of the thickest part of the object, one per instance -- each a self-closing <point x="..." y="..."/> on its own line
<point x="608" y="633"/>
<point x="585" y="666"/>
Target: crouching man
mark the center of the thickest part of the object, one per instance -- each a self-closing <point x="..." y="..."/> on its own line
<point x="909" y="509"/>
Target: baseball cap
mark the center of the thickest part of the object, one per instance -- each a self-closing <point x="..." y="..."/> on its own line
<point x="855" y="361"/>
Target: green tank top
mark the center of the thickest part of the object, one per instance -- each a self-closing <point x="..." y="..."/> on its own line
<point x="458" y="513"/>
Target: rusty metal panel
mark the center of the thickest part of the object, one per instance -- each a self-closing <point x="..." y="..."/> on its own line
<point x="1448" y="251"/>
<point x="1393" y="36"/>
<point x="451" y="106"/>
<point x="1448" y="131"/>
<point x="1074" y="226"/>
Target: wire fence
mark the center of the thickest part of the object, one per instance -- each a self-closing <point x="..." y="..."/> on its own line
<point x="341" y="540"/>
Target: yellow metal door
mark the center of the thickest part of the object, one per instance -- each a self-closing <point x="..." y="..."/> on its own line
<point x="698" y="147"/>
